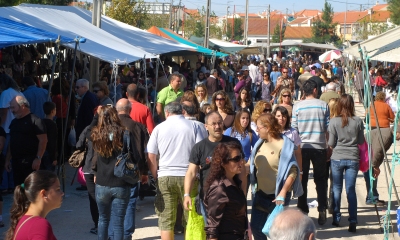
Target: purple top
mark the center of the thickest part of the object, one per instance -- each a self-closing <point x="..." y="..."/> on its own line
<point x="239" y="86"/>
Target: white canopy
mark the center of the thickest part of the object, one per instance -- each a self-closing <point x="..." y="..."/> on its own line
<point x="99" y="43"/>
<point x="222" y="45"/>
<point x="135" y="36"/>
<point x="384" y="47"/>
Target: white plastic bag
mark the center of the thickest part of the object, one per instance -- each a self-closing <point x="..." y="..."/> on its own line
<point x="72" y="137"/>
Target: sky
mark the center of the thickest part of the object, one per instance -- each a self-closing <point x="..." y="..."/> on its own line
<point x="255" y="6"/>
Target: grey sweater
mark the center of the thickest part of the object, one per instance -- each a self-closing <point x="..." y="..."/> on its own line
<point x="344" y="141"/>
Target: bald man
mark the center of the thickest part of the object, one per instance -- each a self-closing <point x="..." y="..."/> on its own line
<point x="292" y="224"/>
<point x="28" y="140"/>
<point x="331" y="92"/>
<point x="139" y="139"/>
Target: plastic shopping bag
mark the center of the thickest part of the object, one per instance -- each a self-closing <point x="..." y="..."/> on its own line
<point x="81" y="177"/>
<point x="364" y="159"/>
<point x="72" y="137"/>
<point x="278" y="209"/>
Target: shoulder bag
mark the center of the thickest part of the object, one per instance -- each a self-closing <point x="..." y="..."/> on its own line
<point x="78" y="158"/>
<point x="125" y="167"/>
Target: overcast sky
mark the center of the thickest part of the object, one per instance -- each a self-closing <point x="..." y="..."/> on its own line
<point x="219" y="6"/>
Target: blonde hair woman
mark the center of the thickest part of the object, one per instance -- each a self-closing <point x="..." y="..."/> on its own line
<point x="261" y="107"/>
<point x="285" y="100"/>
<point x="201" y="94"/>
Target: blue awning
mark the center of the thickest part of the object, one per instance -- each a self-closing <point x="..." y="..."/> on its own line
<point x="15" y="33"/>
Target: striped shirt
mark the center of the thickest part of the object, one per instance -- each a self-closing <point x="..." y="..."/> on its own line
<point x="310" y="118"/>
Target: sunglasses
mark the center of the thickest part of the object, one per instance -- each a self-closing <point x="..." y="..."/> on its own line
<point x="267" y="110"/>
<point x="265" y="75"/>
<point x="236" y="159"/>
<point x="284" y="72"/>
<point x="220" y="99"/>
<point x="96" y="91"/>
<point x="285" y="95"/>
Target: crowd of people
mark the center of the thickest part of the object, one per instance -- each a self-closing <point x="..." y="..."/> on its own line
<point x="218" y="134"/>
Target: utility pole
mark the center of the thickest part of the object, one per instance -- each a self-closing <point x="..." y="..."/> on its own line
<point x="246" y="23"/>
<point x="170" y="14"/>
<point x="345" y="27"/>
<point x="207" y="30"/>
<point x="269" y="31"/>
<point x="233" y="22"/>
<point x="96" y="20"/>
<point x="226" y="20"/>
<point x="178" y="17"/>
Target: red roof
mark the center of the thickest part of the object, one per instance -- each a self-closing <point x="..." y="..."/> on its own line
<point x="307" y="13"/>
<point x="350" y="17"/>
<point x="300" y="20"/>
<point x="251" y="15"/>
<point x="259" y="26"/>
<point x="191" y="11"/>
<point x="298" y="32"/>
<point x="378" y="16"/>
<point x="380" y="7"/>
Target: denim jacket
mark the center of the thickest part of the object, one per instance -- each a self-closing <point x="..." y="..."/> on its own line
<point x="286" y="161"/>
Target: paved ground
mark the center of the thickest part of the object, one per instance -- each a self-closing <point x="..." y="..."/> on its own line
<point x="73" y="221"/>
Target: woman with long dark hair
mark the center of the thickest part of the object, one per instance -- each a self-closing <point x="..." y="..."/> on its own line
<point x="33" y="200"/>
<point x="112" y="193"/>
<point x="222" y="104"/>
<point x="225" y="203"/>
<point x="346" y="132"/>
<point x="273" y="172"/>
<point x="243" y="100"/>
<point x="242" y="131"/>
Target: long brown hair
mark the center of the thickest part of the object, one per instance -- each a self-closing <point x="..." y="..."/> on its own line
<point x="237" y="127"/>
<point x="24" y="196"/>
<point x="269" y="121"/>
<point x="219" y="158"/>
<point x="345" y="108"/>
<point x="228" y="108"/>
<point x="239" y="99"/>
<point x="107" y="135"/>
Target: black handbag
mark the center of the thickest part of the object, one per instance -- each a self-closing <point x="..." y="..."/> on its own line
<point x="125" y="167"/>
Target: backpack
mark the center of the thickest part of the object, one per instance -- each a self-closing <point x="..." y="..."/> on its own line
<point x="126" y="167"/>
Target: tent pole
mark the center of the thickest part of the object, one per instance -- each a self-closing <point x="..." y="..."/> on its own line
<point x="62" y="160"/>
<point x="155" y="87"/>
<point x="53" y="67"/>
<point x="145" y="79"/>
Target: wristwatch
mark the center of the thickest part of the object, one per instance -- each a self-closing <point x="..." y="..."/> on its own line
<point x="186" y="195"/>
<point x="38" y="157"/>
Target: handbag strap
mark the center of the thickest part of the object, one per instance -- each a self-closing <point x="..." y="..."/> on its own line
<point x="15" y="235"/>
<point x="127" y="142"/>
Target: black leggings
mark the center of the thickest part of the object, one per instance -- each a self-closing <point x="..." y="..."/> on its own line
<point x="91" y="186"/>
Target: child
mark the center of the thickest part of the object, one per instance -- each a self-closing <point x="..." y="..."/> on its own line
<point x="49" y="160"/>
<point x="206" y="108"/>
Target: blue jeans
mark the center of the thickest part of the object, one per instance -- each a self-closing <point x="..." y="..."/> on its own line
<point x="259" y="217"/>
<point x="350" y="169"/>
<point x="115" y="198"/>
<point x="374" y="190"/>
<point x="129" y="222"/>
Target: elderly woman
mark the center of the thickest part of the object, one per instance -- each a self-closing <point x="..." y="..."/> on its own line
<point x="273" y="172"/>
<point x="261" y="107"/>
<point x="101" y="90"/>
<point x="222" y="104"/>
<point x="225" y="203"/>
<point x="383" y="112"/>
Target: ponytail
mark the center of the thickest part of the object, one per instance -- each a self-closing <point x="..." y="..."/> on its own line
<point x="27" y="193"/>
<point x="19" y="208"/>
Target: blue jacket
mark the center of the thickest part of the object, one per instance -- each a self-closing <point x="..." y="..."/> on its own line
<point x="286" y="161"/>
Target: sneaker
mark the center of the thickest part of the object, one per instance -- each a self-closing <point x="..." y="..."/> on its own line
<point x="93" y="230"/>
<point x="352" y="227"/>
<point x="334" y="223"/>
<point x="1" y="224"/>
<point x="379" y="203"/>
<point x="322" y="217"/>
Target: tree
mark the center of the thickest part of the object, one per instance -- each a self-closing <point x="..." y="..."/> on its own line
<point x="279" y="34"/>
<point x="394" y="6"/>
<point x="132" y="12"/>
<point x="158" y="20"/>
<point x="237" y="29"/>
<point x="5" y="3"/>
<point x="323" y="29"/>
<point x="199" y="30"/>
<point x="370" y="28"/>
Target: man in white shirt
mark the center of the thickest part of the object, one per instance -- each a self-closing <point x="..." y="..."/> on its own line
<point x="173" y="140"/>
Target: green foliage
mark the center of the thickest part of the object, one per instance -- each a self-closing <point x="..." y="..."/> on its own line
<point x="158" y="20"/>
<point x="199" y="30"/>
<point x="370" y="28"/>
<point x="323" y="30"/>
<point x="132" y="12"/>
<point x="276" y="38"/>
<point x="394" y="6"/>
<point x="237" y="29"/>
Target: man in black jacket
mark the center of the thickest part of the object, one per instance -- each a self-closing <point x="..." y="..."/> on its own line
<point x="140" y="138"/>
<point x="88" y="103"/>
